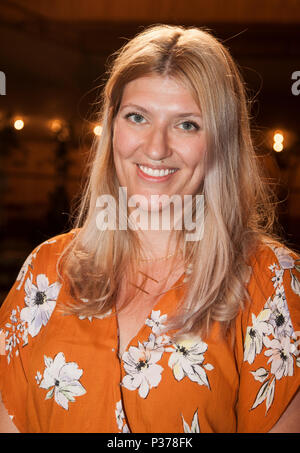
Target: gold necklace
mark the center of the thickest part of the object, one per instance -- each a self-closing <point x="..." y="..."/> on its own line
<point x="158" y="259"/>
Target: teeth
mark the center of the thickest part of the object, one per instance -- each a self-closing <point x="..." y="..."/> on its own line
<point x="151" y="172"/>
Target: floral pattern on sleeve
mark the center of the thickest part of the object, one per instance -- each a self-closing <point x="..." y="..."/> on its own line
<point x="273" y="334"/>
<point x="40" y="300"/>
<point x="28" y="263"/>
<point x="16" y="334"/>
<point x="287" y="262"/>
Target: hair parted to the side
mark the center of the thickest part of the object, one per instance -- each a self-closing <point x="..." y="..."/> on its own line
<point x="239" y="209"/>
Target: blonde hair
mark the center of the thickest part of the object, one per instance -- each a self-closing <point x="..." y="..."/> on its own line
<point x="239" y="214"/>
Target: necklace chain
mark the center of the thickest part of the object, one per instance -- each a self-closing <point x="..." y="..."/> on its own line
<point x="158" y="259"/>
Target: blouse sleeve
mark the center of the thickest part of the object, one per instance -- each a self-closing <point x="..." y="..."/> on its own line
<point x="26" y="309"/>
<point x="267" y="344"/>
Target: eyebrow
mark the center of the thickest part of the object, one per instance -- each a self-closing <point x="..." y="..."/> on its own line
<point x="142" y="109"/>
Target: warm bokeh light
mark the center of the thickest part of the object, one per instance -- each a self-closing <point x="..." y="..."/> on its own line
<point x="55" y="125"/>
<point x="278" y="141"/>
<point x="18" y="124"/>
<point x="98" y="130"/>
<point x="278" y="147"/>
<point x="278" y="137"/>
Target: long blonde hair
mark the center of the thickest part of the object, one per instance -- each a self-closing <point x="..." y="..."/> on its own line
<point x="239" y="213"/>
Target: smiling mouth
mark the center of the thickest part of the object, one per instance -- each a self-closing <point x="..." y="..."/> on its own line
<point x="157" y="172"/>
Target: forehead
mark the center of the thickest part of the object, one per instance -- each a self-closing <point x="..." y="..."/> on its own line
<point x="161" y="90"/>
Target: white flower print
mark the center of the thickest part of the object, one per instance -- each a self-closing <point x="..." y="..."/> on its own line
<point x="119" y="415"/>
<point x="141" y="367"/>
<point x="260" y="374"/>
<point x="295" y="284"/>
<point x="40" y="300"/>
<point x="156" y="322"/>
<point x="284" y="258"/>
<point x="120" y="418"/>
<point x="280" y="293"/>
<point x="254" y="335"/>
<point x="280" y="318"/>
<point x="38" y="378"/>
<point x="62" y="378"/>
<point x="281" y="356"/>
<point x="125" y="429"/>
<point x="163" y="340"/>
<point x="16" y="334"/>
<point x="187" y="358"/>
<point x="277" y="279"/>
<point x="195" y="428"/>
<point x="287" y="262"/>
<point x="297" y="343"/>
<point x="272" y="267"/>
<point x="275" y="332"/>
<point x="157" y="343"/>
<point x="265" y="393"/>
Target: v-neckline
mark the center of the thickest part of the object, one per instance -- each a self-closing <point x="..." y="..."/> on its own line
<point x="178" y="284"/>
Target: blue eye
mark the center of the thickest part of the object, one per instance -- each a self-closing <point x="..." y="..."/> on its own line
<point x="135" y="117"/>
<point x="189" y="126"/>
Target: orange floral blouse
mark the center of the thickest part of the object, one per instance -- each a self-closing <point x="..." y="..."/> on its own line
<point x="62" y="373"/>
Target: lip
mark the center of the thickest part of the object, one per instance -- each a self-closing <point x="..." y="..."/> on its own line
<point x="146" y="177"/>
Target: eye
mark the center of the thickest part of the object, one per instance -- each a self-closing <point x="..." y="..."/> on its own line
<point x="189" y="126"/>
<point x="135" y="117"/>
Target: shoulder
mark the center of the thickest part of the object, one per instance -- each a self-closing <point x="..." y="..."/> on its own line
<point x="267" y="332"/>
<point x="273" y="265"/>
<point x="53" y="247"/>
<point x="56" y="243"/>
<point x="44" y="257"/>
<point x="275" y="251"/>
<point x="274" y="294"/>
<point x="33" y="295"/>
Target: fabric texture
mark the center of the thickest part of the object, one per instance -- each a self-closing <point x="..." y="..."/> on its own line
<point x="62" y="373"/>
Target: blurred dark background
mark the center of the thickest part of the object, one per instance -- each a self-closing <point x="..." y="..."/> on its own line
<point x="53" y="56"/>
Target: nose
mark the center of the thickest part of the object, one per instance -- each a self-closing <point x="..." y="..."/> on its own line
<point x="157" y="145"/>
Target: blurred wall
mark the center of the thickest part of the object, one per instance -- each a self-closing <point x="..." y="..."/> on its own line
<point x="53" y="55"/>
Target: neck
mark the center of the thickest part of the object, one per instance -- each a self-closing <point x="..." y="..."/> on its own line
<point x="157" y="244"/>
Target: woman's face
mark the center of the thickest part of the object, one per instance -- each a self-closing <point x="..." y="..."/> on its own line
<point x="158" y="140"/>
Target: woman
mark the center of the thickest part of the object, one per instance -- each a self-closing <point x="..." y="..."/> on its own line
<point x="125" y="324"/>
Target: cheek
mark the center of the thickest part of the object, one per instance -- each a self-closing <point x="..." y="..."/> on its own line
<point x="124" y="142"/>
<point x="194" y="154"/>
